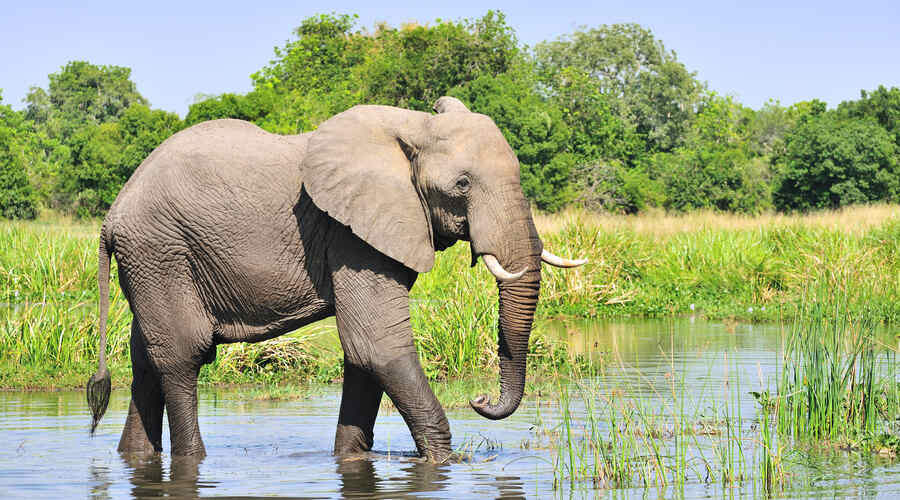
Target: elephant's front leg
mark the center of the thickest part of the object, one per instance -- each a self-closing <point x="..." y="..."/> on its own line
<point x="372" y="312"/>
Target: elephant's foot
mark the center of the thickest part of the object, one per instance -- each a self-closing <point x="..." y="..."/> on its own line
<point x="441" y="455"/>
<point x="405" y="383"/>
<point x="351" y="439"/>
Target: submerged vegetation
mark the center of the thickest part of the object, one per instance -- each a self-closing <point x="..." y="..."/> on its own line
<point x="834" y="390"/>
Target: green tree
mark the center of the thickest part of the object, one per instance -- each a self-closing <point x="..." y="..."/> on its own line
<point x="828" y="161"/>
<point x="655" y="93"/>
<point x="326" y="49"/>
<point x="413" y="66"/>
<point x="715" y="168"/>
<point x="81" y="94"/>
<point x="17" y="199"/>
<point x="332" y="66"/>
<point x="605" y="148"/>
<point x="882" y="105"/>
<point x="607" y="185"/>
<point x="310" y="79"/>
<point x="144" y="129"/>
<point x="767" y="126"/>
<point x="104" y="156"/>
<point x="804" y="109"/>
<point x="718" y="122"/>
<point x="597" y="131"/>
<point x="717" y="178"/>
<point x="91" y="183"/>
<point x="253" y="107"/>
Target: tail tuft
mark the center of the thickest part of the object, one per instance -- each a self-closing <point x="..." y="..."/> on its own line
<point x="98" y="388"/>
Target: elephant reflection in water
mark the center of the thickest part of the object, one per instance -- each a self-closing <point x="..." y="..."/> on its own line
<point x="411" y="478"/>
<point x="357" y="475"/>
<point x="227" y="233"/>
<point x="148" y="479"/>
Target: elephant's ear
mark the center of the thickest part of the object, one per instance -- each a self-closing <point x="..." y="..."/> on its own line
<point x="359" y="169"/>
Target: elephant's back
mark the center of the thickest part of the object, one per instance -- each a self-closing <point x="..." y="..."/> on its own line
<point x="230" y="158"/>
<point x="219" y="186"/>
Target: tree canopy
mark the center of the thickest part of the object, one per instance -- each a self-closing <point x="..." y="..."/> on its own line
<point x="605" y="117"/>
<point x="649" y="88"/>
<point x="828" y="161"/>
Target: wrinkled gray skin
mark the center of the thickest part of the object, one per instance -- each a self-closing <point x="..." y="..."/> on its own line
<point x="227" y="233"/>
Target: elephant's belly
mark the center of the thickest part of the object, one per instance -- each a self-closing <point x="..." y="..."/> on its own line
<point x="258" y="329"/>
<point x="270" y="294"/>
<point x="266" y="276"/>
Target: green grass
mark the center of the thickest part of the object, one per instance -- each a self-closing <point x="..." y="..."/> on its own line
<point x="735" y="268"/>
<point x="754" y="274"/>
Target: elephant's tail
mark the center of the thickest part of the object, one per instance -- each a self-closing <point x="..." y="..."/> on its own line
<point x="98" y="386"/>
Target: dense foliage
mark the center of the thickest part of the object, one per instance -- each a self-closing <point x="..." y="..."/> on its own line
<point x="17" y="200"/>
<point x="828" y="161"/>
<point x="605" y="117"/>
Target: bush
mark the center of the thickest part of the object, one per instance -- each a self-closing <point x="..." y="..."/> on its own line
<point x="723" y="178"/>
<point x="609" y="186"/>
<point x="828" y="162"/>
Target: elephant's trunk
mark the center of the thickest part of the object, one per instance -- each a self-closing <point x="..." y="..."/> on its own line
<point x="518" y="300"/>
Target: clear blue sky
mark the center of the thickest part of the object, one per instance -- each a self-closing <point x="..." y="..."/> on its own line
<point x="786" y="50"/>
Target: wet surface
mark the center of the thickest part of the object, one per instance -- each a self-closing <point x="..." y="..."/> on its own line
<point x="283" y="448"/>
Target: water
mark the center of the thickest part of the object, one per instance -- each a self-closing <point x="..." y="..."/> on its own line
<point x="283" y="448"/>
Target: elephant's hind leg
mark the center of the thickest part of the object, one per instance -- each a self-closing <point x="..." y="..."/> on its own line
<point x="359" y="408"/>
<point x="178" y="378"/>
<point x="143" y="427"/>
<point x="178" y="335"/>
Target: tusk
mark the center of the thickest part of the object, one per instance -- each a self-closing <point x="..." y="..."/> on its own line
<point x="554" y="260"/>
<point x="497" y="270"/>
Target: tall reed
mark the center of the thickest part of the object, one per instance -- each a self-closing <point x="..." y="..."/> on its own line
<point x="837" y="384"/>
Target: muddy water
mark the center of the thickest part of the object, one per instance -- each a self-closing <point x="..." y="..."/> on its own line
<point x="282" y="448"/>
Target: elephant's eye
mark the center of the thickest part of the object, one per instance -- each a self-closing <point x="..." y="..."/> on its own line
<point x="463" y="184"/>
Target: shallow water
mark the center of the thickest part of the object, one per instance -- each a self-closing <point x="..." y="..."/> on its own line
<point x="282" y="448"/>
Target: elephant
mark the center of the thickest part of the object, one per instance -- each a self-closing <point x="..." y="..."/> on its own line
<point x="227" y="233"/>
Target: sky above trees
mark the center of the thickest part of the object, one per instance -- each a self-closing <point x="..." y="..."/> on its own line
<point x="790" y="51"/>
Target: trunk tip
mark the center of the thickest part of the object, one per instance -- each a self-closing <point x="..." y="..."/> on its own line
<point x="480" y="401"/>
<point x="482" y="405"/>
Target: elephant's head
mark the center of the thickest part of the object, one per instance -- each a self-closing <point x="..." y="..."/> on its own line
<point x="410" y="183"/>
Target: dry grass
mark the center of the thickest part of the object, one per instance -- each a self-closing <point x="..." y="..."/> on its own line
<point x="853" y="220"/>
